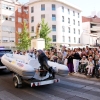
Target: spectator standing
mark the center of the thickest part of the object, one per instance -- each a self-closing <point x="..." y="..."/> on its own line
<point x="64" y="53"/>
<point x="70" y="62"/>
<point x="76" y="58"/>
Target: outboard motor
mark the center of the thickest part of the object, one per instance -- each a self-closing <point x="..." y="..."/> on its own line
<point x="42" y="58"/>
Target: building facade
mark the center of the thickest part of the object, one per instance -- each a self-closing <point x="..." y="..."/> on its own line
<point x="63" y="18"/>
<point x="91" y="30"/>
<point x="12" y="14"/>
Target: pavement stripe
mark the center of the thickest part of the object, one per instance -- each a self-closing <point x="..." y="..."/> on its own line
<point x="4" y="95"/>
<point x="42" y="95"/>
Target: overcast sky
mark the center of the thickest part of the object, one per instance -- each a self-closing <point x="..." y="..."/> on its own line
<point x="87" y="6"/>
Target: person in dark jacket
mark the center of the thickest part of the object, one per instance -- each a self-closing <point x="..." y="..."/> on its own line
<point x="42" y="58"/>
<point x="70" y="62"/>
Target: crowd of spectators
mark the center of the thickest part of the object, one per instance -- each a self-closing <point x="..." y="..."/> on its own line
<point x="82" y="60"/>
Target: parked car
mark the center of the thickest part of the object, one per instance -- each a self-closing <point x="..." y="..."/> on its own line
<point x="2" y="52"/>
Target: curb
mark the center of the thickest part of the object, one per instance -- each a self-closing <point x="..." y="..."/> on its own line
<point x="78" y="75"/>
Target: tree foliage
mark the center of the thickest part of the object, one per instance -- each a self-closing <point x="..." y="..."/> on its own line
<point x="44" y="32"/>
<point x="25" y="40"/>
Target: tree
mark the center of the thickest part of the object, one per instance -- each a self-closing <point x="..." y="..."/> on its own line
<point x="44" y="32"/>
<point x="24" y="37"/>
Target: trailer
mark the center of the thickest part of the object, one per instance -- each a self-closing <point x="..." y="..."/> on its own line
<point x="18" y="81"/>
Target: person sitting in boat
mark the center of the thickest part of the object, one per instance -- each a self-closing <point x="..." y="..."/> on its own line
<point x="31" y="54"/>
<point x="42" y="58"/>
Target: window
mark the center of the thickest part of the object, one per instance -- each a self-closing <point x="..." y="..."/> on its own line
<point x="53" y="27"/>
<point x="19" y="19"/>
<point x="62" y="9"/>
<point x="78" y="23"/>
<point x="69" y="39"/>
<point x="25" y="9"/>
<point x="32" y="19"/>
<point x="12" y="29"/>
<point x="69" y="20"/>
<point x="74" y="30"/>
<point x="62" y="18"/>
<point x="19" y="10"/>
<point x="3" y="6"/>
<point x="73" y="21"/>
<point x="12" y="39"/>
<point x="68" y="11"/>
<point x="53" y="17"/>
<point x="78" y="31"/>
<point x="68" y="29"/>
<point x="63" y="28"/>
<point x="78" y="15"/>
<point x="19" y="30"/>
<point x="7" y="7"/>
<point x="32" y="9"/>
<point x="63" y="37"/>
<point x="12" y="19"/>
<point x="73" y="13"/>
<point x="5" y="39"/>
<point x="79" y="40"/>
<point x="5" y="17"/>
<point x="11" y="8"/>
<point x="42" y="16"/>
<point x="32" y="29"/>
<point x="74" y="40"/>
<point x="54" y="38"/>
<point x="53" y="7"/>
<point x="42" y="7"/>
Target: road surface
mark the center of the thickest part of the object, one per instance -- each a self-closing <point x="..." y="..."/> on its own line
<point x="69" y="88"/>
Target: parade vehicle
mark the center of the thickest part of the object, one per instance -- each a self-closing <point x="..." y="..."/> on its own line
<point x="2" y="52"/>
<point x="27" y="69"/>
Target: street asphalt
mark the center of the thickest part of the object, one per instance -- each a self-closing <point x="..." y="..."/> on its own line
<point x="69" y="88"/>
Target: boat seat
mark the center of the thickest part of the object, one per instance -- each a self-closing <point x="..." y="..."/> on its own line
<point x="34" y="63"/>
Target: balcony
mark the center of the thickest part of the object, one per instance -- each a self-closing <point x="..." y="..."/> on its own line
<point x="95" y="28"/>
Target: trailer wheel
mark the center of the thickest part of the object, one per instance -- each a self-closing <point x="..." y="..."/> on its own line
<point x="16" y="81"/>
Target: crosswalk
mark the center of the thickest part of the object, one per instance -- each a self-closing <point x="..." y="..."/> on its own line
<point x="68" y="89"/>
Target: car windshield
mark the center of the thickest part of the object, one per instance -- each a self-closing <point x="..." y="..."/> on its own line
<point x="4" y="51"/>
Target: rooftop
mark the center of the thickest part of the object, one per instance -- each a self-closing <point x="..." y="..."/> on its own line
<point x="94" y="19"/>
<point x="60" y="1"/>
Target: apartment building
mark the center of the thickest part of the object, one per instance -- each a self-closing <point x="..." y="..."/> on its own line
<point x="12" y="14"/>
<point x="63" y="18"/>
<point x="21" y="16"/>
<point x="91" y="30"/>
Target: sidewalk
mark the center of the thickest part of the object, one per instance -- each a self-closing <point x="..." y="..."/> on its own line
<point x="78" y="75"/>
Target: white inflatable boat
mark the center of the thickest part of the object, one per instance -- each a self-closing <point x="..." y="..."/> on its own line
<point x="27" y="69"/>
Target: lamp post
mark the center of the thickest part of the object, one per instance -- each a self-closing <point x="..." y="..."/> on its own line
<point x="10" y="38"/>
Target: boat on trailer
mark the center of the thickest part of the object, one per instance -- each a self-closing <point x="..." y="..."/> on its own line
<point x="27" y="69"/>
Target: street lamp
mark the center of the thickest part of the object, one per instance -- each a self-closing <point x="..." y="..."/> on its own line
<point x="10" y="38"/>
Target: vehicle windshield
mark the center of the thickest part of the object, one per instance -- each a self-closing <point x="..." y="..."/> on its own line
<point x="5" y="51"/>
